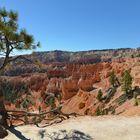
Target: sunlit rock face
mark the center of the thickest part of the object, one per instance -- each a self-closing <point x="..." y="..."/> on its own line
<point x="69" y="88"/>
<point x="78" y="85"/>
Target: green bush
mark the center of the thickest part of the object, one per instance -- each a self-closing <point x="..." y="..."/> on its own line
<point x="26" y="102"/>
<point x="11" y="90"/>
<point x="136" y="102"/>
<point x="113" y="111"/>
<point x="26" y="121"/>
<point x="98" y="111"/>
<point x="99" y="95"/>
<point x="126" y="81"/>
<point x="112" y="78"/>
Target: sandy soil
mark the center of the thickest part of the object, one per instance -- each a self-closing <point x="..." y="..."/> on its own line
<point x="99" y="128"/>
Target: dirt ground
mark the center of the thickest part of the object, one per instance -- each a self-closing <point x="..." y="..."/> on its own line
<point x="83" y="128"/>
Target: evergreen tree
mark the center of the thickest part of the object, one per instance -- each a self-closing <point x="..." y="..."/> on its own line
<point x="126" y="81"/>
<point x="98" y="111"/>
<point x="99" y="95"/>
<point x="11" y="38"/>
<point x="112" y="78"/>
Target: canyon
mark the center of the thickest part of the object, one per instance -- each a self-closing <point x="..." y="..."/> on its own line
<point x="75" y="93"/>
<point x="73" y="85"/>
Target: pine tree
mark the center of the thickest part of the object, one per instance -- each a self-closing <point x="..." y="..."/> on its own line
<point x="126" y="81"/>
<point x="11" y="38"/>
<point x="98" y="111"/>
<point x="99" y="95"/>
<point x="112" y="78"/>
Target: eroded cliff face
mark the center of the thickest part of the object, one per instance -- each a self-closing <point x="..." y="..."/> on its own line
<point x="79" y="87"/>
<point x="45" y="61"/>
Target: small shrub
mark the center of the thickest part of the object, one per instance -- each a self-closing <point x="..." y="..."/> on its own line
<point x="112" y="78"/>
<point x="113" y="111"/>
<point x="39" y="120"/>
<point x="99" y="95"/>
<point x="126" y="81"/>
<point x="136" y="102"/>
<point x="34" y="119"/>
<point x="26" y="119"/>
<point x="105" y="111"/>
<point x="138" y="55"/>
<point x="12" y="89"/>
<point x="135" y="95"/>
<point x="98" y="111"/>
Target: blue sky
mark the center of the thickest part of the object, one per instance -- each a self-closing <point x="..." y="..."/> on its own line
<point x="80" y="24"/>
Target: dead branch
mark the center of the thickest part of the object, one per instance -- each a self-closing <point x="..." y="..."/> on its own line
<point x="29" y="113"/>
<point x="58" y="118"/>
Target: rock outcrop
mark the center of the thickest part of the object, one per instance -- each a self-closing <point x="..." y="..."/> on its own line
<point x="79" y="87"/>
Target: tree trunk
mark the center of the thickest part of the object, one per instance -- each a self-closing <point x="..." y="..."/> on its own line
<point x="3" y="120"/>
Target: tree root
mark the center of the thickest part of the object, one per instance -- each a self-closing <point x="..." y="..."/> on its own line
<point x="59" y="116"/>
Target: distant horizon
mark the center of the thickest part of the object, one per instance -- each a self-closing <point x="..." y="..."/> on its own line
<point x="86" y="50"/>
<point x="39" y="51"/>
<point x="78" y="51"/>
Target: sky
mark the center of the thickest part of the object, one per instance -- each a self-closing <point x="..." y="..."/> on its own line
<point x="77" y="25"/>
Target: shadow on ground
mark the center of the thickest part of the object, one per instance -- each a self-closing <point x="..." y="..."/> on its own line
<point x="65" y="135"/>
<point x="17" y="133"/>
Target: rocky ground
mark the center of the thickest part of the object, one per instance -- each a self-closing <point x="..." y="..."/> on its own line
<point x="83" y="128"/>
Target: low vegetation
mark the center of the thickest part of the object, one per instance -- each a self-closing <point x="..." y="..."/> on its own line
<point x="126" y="87"/>
<point x="126" y="82"/>
<point x="12" y="90"/>
<point x="99" y="95"/>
